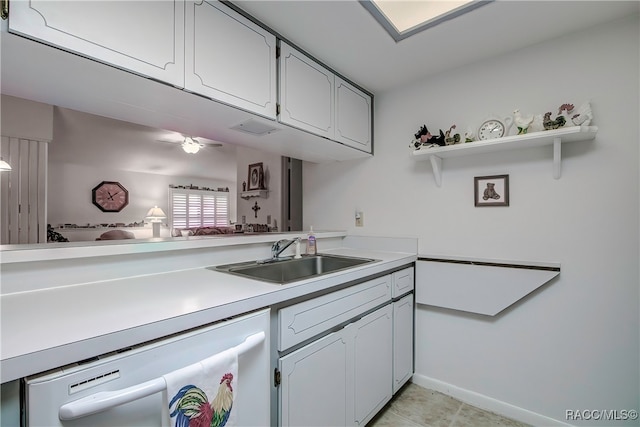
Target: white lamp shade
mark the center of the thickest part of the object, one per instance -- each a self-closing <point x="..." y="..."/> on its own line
<point x="4" y="166"/>
<point x="155" y="213"/>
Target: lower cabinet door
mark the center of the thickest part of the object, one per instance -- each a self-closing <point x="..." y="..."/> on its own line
<point x="373" y="358"/>
<point x="402" y="341"/>
<point x="315" y="384"/>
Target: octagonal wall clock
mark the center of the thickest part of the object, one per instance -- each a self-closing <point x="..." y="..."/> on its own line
<point x="110" y="196"/>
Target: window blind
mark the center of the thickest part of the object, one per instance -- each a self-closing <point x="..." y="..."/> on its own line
<point x="198" y="208"/>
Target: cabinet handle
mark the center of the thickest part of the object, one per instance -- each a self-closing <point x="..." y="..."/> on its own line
<point x="4" y="13"/>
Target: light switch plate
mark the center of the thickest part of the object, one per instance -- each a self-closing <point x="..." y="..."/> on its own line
<point x="359" y="219"/>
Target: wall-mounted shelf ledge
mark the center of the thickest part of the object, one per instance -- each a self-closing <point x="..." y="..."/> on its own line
<point x="254" y="193"/>
<point x="534" y="139"/>
<point x="481" y="287"/>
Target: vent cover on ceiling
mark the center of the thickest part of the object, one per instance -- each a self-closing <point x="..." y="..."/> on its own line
<point x="255" y="127"/>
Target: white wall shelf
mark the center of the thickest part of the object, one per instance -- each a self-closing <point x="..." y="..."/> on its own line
<point x="254" y="193"/>
<point x="534" y="139"/>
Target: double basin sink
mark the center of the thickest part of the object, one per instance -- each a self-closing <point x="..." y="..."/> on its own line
<point x="283" y="271"/>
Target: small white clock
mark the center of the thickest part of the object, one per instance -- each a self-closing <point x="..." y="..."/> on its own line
<point x="491" y="129"/>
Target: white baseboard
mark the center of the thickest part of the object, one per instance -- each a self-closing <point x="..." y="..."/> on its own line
<point x="487" y="403"/>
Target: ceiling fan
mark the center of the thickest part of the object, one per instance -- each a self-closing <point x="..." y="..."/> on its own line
<point x="192" y="145"/>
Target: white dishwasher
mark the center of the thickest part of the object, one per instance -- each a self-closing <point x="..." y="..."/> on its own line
<point x="126" y="388"/>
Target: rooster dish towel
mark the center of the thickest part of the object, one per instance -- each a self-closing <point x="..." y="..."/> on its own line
<point x="201" y="395"/>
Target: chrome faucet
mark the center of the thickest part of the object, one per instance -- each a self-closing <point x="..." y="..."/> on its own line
<point x="278" y="247"/>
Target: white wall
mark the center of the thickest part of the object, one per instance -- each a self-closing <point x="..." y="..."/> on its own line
<point x="271" y="206"/>
<point x="575" y="343"/>
<point x="26" y="119"/>
<point x="70" y="196"/>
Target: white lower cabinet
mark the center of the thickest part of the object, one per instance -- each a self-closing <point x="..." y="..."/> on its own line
<point x="402" y="341"/>
<point x="316" y="382"/>
<point x="372" y="344"/>
<point x="363" y="355"/>
<point x="342" y="379"/>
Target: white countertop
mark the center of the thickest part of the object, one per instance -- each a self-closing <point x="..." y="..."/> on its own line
<point x="57" y="251"/>
<point x="46" y="328"/>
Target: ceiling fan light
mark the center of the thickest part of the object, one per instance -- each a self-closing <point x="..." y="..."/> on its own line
<point x="190" y="145"/>
<point x="4" y="166"/>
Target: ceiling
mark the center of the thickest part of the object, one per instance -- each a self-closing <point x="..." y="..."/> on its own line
<point x="98" y="142"/>
<point x="343" y="35"/>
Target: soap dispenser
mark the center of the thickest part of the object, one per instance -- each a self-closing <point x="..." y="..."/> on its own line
<point x="312" y="248"/>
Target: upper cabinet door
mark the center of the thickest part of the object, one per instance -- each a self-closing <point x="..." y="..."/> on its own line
<point x="353" y="116"/>
<point x="306" y="93"/>
<point x="146" y="37"/>
<point x="229" y="58"/>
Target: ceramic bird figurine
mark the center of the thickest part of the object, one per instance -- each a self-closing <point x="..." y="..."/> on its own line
<point x="451" y="139"/>
<point x="522" y="122"/>
<point x="550" y="124"/>
<point x="566" y="111"/>
<point x="576" y="117"/>
<point x="469" y="135"/>
<point x="537" y="125"/>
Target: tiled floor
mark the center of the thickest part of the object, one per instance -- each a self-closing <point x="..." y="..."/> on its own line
<point x="415" y="406"/>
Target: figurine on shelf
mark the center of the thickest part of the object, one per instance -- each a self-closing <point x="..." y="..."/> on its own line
<point x="521" y="122"/>
<point x="552" y="124"/>
<point x="244" y="185"/>
<point x="580" y="117"/>
<point x="438" y="140"/>
<point x="450" y="140"/>
<point x="422" y="138"/>
<point x="537" y="124"/>
<point x="423" y="134"/>
<point x="469" y="135"/>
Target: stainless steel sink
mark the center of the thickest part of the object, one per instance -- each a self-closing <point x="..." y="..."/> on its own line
<point x="291" y="270"/>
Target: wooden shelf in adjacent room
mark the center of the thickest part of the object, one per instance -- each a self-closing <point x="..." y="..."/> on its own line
<point x="254" y="193"/>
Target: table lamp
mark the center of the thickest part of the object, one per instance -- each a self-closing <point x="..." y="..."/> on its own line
<point x="156" y="215"/>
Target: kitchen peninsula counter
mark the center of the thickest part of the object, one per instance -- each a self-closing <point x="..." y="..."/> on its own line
<point x="56" y="310"/>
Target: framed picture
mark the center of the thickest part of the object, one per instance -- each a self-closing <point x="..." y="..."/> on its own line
<point x="491" y="190"/>
<point x="256" y="177"/>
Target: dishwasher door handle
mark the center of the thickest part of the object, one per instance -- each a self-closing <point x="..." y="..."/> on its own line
<point x="104" y="400"/>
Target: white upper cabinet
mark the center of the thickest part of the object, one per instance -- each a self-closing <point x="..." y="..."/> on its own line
<point x="146" y="37"/>
<point x="229" y="58"/>
<point x="314" y="99"/>
<point x="306" y="93"/>
<point x="203" y="47"/>
<point x="352" y="116"/>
